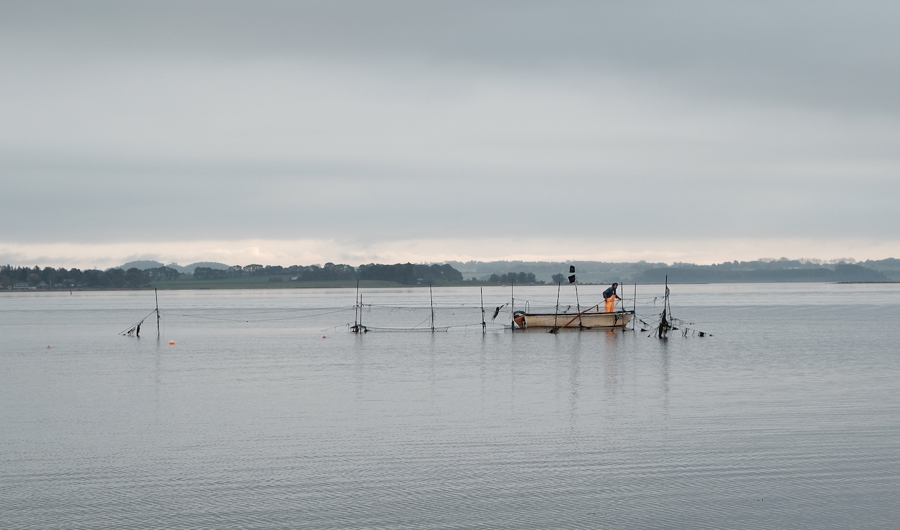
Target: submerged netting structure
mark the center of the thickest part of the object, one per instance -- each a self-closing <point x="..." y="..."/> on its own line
<point x="661" y="323"/>
<point x="135" y="329"/>
<point x="441" y="317"/>
<point x="416" y="311"/>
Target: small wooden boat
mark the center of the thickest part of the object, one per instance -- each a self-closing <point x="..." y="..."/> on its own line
<point x="584" y="320"/>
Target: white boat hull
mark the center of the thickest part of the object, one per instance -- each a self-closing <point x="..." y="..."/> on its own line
<point x="592" y="320"/>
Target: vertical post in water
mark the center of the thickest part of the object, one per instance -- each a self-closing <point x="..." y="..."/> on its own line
<point x="431" y="295"/>
<point x="512" y="306"/>
<point x="666" y="301"/>
<point x="621" y="300"/>
<point x="483" y="323"/>
<point x="634" y="308"/>
<point x="634" y="300"/>
<point x="556" y="313"/>
<point x="356" y="310"/>
<point x="663" y="321"/>
<point x="577" y="305"/>
<point x="156" y="295"/>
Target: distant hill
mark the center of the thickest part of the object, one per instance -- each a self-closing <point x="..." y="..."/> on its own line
<point x="890" y="267"/>
<point x="188" y="269"/>
<point x="141" y="264"/>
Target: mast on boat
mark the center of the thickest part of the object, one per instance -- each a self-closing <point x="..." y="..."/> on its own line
<point x="574" y="280"/>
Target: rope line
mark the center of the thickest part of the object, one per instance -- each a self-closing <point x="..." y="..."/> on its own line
<point x="264" y="319"/>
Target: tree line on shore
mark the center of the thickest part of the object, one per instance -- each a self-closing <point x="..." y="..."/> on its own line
<point x="62" y="278"/>
<point x="768" y="272"/>
<point x="782" y="270"/>
<point x="402" y="273"/>
<point x="761" y="270"/>
<point x="518" y="278"/>
<point x="134" y="278"/>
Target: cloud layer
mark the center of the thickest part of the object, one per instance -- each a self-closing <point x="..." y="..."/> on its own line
<point x="355" y="128"/>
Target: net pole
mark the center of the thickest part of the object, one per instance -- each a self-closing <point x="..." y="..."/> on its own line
<point x="431" y="295"/>
<point x="156" y="295"/>
<point x="483" y="323"/>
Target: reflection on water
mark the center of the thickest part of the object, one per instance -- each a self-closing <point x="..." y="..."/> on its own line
<point x="611" y="362"/>
<point x="786" y="417"/>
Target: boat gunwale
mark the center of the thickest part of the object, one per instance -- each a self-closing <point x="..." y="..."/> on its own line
<point x="583" y="320"/>
<point x="576" y="314"/>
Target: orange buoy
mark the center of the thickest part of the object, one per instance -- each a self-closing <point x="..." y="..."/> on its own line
<point x="323" y="336"/>
<point x="171" y="343"/>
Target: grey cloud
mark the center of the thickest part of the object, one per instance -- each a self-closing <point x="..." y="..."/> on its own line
<point x="123" y="207"/>
<point x="367" y="120"/>
<point x="826" y="53"/>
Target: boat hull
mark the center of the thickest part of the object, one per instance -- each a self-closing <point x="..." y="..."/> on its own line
<point x="593" y="320"/>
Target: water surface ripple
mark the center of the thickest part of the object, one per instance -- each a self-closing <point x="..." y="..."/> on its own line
<point x="787" y="417"/>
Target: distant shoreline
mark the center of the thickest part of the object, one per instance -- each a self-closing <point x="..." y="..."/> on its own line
<point x="256" y="276"/>
<point x="369" y="284"/>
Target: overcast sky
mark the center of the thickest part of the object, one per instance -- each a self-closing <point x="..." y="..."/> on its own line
<point x="305" y="132"/>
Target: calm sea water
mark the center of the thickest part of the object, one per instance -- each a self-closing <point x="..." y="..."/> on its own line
<point x="268" y="413"/>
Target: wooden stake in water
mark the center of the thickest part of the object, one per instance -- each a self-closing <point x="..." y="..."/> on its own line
<point x="555" y="327"/>
<point x="577" y="305"/>
<point x="156" y="295"/>
<point x="663" y="321"/>
<point x="357" y="311"/>
<point x="483" y="323"/>
<point x="512" y="306"/>
<point x="634" y="308"/>
<point x="431" y="295"/>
